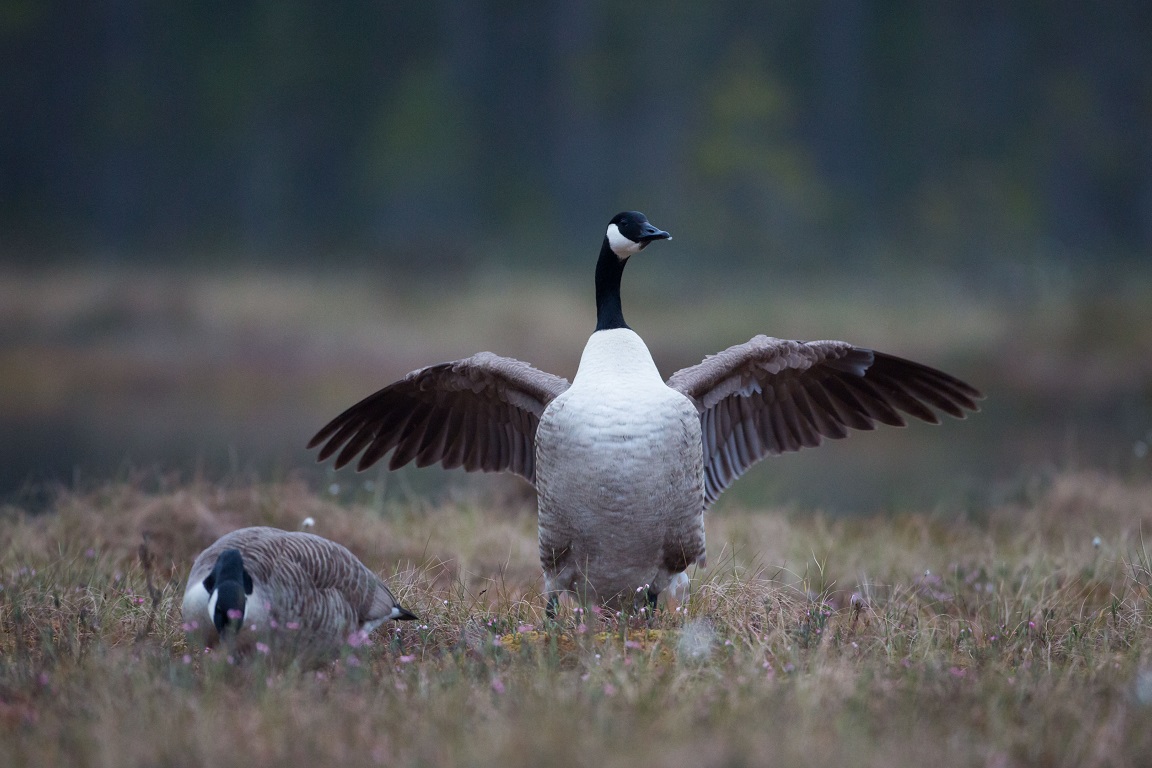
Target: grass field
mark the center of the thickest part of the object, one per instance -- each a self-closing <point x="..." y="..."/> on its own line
<point x="1019" y="633"/>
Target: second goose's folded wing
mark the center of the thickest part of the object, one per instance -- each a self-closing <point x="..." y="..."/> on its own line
<point x="770" y="396"/>
<point x="479" y="413"/>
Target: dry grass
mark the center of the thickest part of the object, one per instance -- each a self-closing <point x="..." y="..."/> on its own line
<point x="1019" y="636"/>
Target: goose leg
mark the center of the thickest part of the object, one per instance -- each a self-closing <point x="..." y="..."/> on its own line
<point x="552" y="606"/>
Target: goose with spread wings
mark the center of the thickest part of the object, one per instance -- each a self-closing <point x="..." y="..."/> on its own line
<point x="625" y="463"/>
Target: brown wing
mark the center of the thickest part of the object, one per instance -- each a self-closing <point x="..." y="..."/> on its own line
<point x="479" y="413"/>
<point x="770" y="396"/>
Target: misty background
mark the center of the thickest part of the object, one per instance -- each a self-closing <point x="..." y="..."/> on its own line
<point x="222" y="223"/>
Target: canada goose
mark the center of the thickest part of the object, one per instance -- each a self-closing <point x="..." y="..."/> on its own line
<point x="624" y="464"/>
<point x="304" y="593"/>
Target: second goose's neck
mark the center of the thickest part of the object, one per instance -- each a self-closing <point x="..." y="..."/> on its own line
<point x="609" y="312"/>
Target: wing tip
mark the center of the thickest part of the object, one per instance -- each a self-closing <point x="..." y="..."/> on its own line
<point x="321" y="436"/>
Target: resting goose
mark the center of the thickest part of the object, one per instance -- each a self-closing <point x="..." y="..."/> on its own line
<point x="624" y="464"/>
<point x="304" y="594"/>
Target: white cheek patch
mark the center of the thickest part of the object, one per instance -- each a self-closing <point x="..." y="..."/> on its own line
<point x="196" y="602"/>
<point x="621" y="245"/>
<point x="212" y="604"/>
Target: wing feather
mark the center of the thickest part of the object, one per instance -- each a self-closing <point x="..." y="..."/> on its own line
<point x="453" y="445"/>
<point x="480" y="413"/>
<point x="409" y="445"/>
<point x="770" y="396"/>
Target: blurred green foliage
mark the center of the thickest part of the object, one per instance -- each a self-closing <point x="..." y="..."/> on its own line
<point x="812" y="131"/>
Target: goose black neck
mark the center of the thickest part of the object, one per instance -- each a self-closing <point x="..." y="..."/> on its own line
<point x="609" y="312"/>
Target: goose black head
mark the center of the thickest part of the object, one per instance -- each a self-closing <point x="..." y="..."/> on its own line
<point x="630" y="232"/>
<point x="228" y="587"/>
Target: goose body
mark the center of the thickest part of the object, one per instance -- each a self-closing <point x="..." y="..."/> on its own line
<point x="304" y="594"/>
<point x="625" y="463"/>
<point x="632" y="438"/>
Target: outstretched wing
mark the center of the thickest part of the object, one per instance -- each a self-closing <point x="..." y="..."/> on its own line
<point x="479" y="413"/>
<point x="770" y="396"/>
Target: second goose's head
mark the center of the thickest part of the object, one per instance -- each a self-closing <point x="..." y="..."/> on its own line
<point x="228" y="587"/>
<point x="630" y="232"/>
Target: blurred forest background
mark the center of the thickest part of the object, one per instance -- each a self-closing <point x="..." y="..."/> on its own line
<point x="221" y="223"/>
